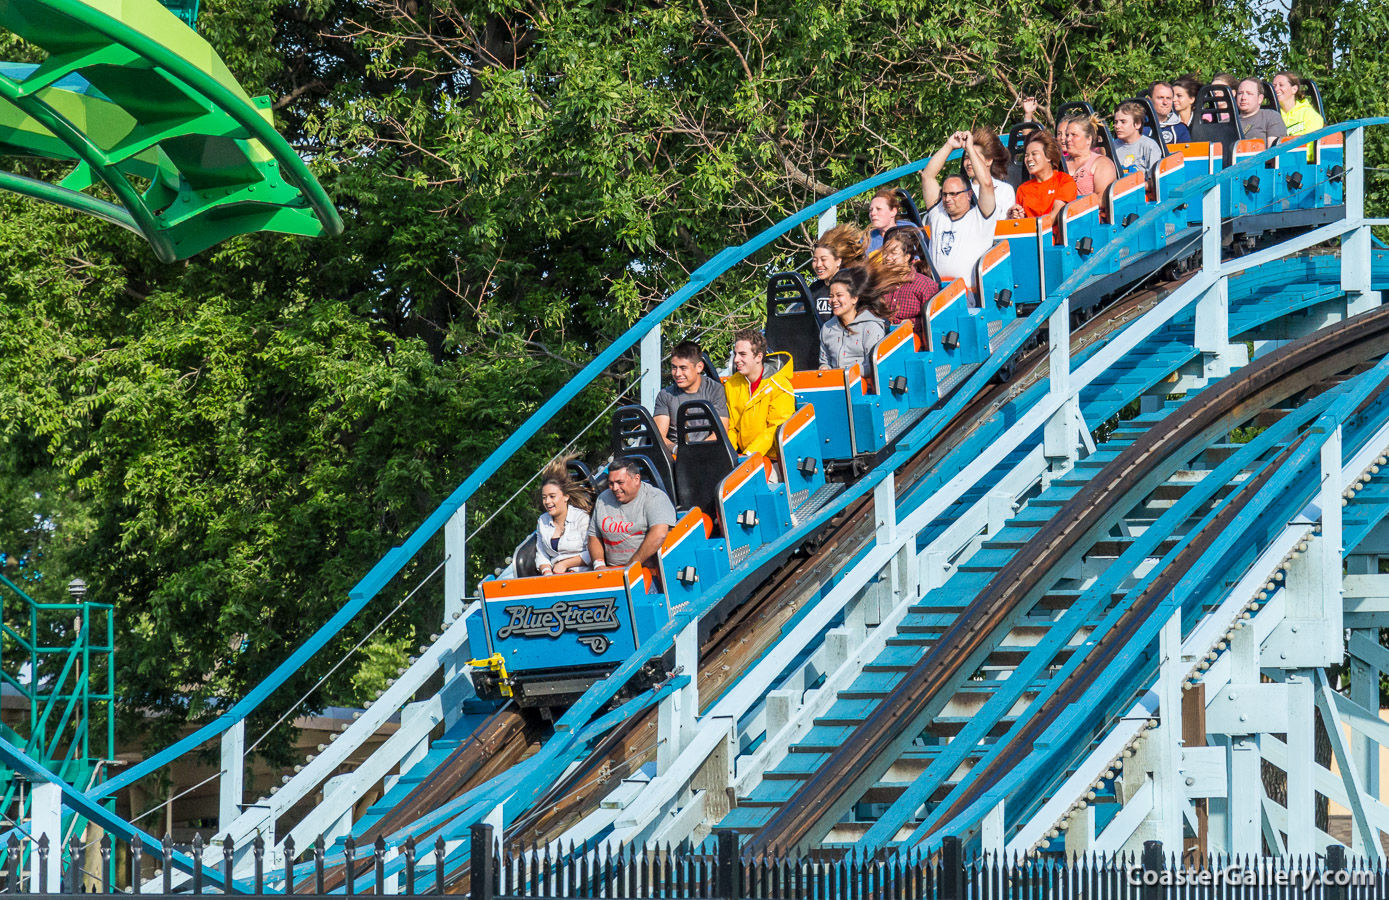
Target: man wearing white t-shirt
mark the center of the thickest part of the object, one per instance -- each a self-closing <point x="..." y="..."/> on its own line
<point x="960" y="223"/>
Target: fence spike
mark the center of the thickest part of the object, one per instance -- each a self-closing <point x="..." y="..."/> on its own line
<point x="410" y="864"/>
<point x="289" y="864"/>
<point x="258" y="854"/>
<point x="349" y="864"/>
<point x="197" y="863"/>
<point x="166" y="850"/>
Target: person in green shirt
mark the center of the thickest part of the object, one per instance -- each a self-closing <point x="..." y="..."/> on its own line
<point x="1299" y="115"/>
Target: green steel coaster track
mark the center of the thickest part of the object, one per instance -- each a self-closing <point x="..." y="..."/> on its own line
<point x="145" y="108"/>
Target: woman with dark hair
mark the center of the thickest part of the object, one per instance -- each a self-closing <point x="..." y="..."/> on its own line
<point x="1184" y="91"/>
<point x="1092" y="172"/>
<point x="561" y="533"/>
<point x="906" y="290"/>
<point x="988" y="142"/>
<point x="1049" y="189"/>
<point x="884" y="211"/>
<point x="858" y="323"/>
<point x="842" y="247"/>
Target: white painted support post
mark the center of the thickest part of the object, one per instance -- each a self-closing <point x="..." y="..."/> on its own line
<point x="1167" y="741"/>
<point x="456" y="596"/>
<point x="455" y="564"/>
<point x="1332" y="554"/>
<point x="408" y="715"/>
<point x="1355" y="245"/>
<point x="1301" y="757"/>
<point x="343" y="824"/>
<point x="992" y="834"/>
<point x="1246" y="796"/>
<point x="675" y="715"/>
<point x="1244" y="810"/>
<point x="1364" y="751"/>
<point x="46" y="817"/>
<point x="828" y="219"/>
<point x="999" y="508"/>
<point x="232" y="783"/>
<point x="1213" y="309"/>
<point x="1080" y="831"/>
<point x="885" y="510"/>
<point x="650" y="367"/>
<point x="1059" y="435"/>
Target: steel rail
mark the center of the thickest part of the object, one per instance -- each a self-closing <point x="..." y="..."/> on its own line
<point x="859" y="761"/>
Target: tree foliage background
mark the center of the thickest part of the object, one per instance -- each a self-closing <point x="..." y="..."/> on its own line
<point x="223" y="448"/>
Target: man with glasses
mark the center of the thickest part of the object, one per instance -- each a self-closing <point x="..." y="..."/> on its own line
<point x="960" y="223"/>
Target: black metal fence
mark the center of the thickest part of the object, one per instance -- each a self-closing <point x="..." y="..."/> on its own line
<point x="720" y="872"/>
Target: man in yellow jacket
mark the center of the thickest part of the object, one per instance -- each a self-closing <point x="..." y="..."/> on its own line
<point x="759" y="394"/>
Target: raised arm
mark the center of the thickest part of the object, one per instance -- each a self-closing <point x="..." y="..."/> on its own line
<point x="986" y="201"/>
<point x="930" y="176"/>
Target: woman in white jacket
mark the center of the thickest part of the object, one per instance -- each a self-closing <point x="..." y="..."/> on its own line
<point x="561" y="533"/>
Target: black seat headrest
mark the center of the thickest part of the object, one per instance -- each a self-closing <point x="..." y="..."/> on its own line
<point x="700" y="466"/>
<point x="793" y="319"/>
<point x="634" y="435"/>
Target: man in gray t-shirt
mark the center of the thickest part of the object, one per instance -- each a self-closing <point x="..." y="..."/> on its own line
<point x="691" y="383"/>
<point x="1255" y="122"/>
<point x="630" y="519"/>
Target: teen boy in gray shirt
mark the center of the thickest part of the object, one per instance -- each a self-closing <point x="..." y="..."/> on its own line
<point x="691" y="383"/>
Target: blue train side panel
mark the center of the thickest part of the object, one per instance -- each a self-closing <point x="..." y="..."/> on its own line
<point x="798" y="451"/>
<point x="958" y="334"/>
<point x="753" y="511"/>
<point x="569" y="620"/>
<point x="690" y="559"/>
<point x="1127" y="201"/>
<point x="890" y="360"/>
<point x="994" y="275"/>
<point x="825" y="390"/>
<point x="1169" y="174"/>
<point x="1258" y="191"/>
<point x="1082" y="233"/>
<point x="1029" y="241"/>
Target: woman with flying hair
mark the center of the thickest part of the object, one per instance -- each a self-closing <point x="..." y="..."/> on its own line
<point x="561" y="533"/>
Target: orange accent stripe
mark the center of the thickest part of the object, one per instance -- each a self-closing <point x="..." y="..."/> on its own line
<point x="1193" y="150"/>
<point x="1013" y="227"/>
<point x="953" y="291"/>
<point x="992" y="257"/>
<point x="819" y="379"/>
<point x="1171" y="163"/>
<point x="1128" y="184"/>
<point x="799" y="419"/>
<point x="853" y="376"/>
<point x="900" y="335"/>
<point x="740" y="476"/>
<point x="1333" y="140"/>
<point x="635" y="573"/>
<point x="568" y="582"/>
<point x="1077" y="208"/>
<point x="684" y="527"/>
<point x="1250" y="148"/>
